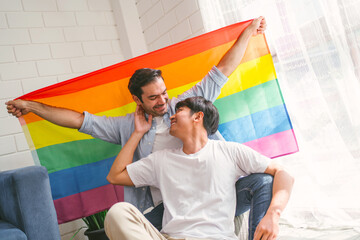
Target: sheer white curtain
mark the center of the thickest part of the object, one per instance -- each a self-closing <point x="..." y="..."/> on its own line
<point x="316" y="51"/>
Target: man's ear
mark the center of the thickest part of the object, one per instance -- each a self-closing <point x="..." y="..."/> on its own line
<point x="198" y="116"/>
<point x="137" y="100"/>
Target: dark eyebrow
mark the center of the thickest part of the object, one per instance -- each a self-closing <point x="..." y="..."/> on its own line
<point x="151" y="96"/>
<point x="179" y="109"/>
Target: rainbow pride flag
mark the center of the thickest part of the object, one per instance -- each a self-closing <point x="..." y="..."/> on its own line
<point x="252" y="112"/>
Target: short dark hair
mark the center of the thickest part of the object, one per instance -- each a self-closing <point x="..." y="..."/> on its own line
<point x="200" y="104"/>
<point x="140" y="78"/>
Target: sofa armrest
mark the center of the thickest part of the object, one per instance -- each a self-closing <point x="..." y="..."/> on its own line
<point x="26" y="202"/>
<point x="10" y="232"/>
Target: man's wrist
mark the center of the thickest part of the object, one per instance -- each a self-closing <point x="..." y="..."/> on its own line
<point x="34" y="106"/>
<point x="275" y="212"/>
<point x="248" y="32"/>
<point x="29" y="105"/>
<point x="138" y="134"/>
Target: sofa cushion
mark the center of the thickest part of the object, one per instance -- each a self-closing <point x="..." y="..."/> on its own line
<point x="26" y="202"/>
<point x="10" y="232"/>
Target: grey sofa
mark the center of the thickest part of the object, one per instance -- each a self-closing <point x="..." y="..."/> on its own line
<point x="26" y="206"/>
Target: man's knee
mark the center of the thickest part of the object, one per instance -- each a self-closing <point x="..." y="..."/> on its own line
<point x="255" y="181"/>
<point x="263" y="180"/>
<point x="121" y="207"/>
<point x="267" y="179"/>
<point x="264" y="184"/>
<point x="119" y="213"/>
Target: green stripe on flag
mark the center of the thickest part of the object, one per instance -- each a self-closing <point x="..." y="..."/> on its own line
<point x="72" y="154"/>
<point x="249" y="101"/>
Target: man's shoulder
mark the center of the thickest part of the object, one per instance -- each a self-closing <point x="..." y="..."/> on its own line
<point x="165" y="155"/>
<point x="129" y="117"/>
<point x="123" y="120"/>
<point x="226" y="145"/>
<point x="167" y="152"/>
<point x="217" y="142"/>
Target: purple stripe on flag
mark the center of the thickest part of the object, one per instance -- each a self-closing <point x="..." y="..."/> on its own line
<point x="87" y="203"/>
<point x="276" y="144"/>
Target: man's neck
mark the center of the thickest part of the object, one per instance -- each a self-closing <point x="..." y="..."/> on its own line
<point x="195" y="143"/>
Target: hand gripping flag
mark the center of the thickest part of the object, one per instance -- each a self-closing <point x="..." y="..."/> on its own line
<point x="252" y="112"/>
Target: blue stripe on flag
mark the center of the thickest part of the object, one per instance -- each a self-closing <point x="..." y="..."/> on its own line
<point x="79" y="179"/>
<point x="257" y="125"/>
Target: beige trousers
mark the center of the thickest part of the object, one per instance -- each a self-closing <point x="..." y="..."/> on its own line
<point x="125" y="222"/>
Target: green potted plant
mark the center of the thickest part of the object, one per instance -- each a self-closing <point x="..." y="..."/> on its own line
<point x="95" y="226"/>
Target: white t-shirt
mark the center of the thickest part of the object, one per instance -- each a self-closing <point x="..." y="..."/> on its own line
<point x="163" y="140"/>
<point x="198" y="190"/>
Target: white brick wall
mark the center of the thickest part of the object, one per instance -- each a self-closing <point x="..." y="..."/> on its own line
<point x="85" y="64"/>
<point x="47" y="41"/>
<point x="97" y="48"/>
<point x="152" y="15"/>
<point x="3" y="112"/>
<point x="10" y="6"/>
<point x="32" y="52"/>
<point x="25" y="20"/>
<point x="79" y="34"/>
<point x="47" y="35"/>
<point x="185" y="9"/>
<point x="59" y="19"/>
<point x="166" y="22"/>
<point x="13" y="160"/>
<point x="91" y="18"/>
<point x="112" y="59"/>
<point x="53" y="67"/>
<point x="66" y="50"/>
<point x="14" y="36"/>
<point x="21" y="144"/>
<point x="110" y="18"/>
<point x="32" y="84"/>
<point x="106" y="33"/>
<point x="7" y="54"/>
<point x="39" y="5"/>
<point x="17" y="70"/>
<point x="3" y="23"/>
<point x="9" y="127"/>
<point x="196" y="22"/>
<point x="99" y="5"/>
<point x="7" y="145"/>
<point x="72" y="5"/>
<point x="181" y="31"/>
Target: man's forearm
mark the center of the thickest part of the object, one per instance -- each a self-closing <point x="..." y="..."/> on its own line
<point x="59" y="116"/>
<point x="124" y="158"/>
<point x="232" y="58"/>
<point x="282" y="187"/>
<point x="118" y="173"/>
<point x="268" y="227"/>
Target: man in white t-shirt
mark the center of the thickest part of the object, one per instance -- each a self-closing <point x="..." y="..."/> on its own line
<point x="197" y="180"/>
